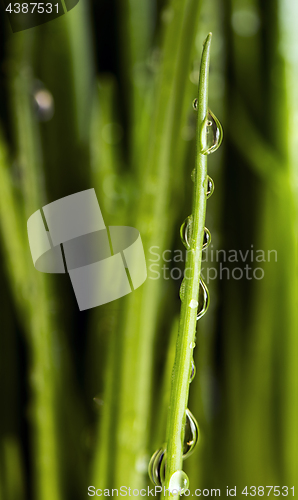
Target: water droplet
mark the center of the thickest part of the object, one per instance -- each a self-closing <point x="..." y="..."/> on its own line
<point x="191" y="434"/>
<point x="193" y="304"/>
<point x="193" y="371"/>
<point x="204" y="300"/>
<point x="44" y="104"/>
<point x="192" y="345"/>
<point x="157" y="467"/>
<point x="193" y="175"/>
<point x="210" y="187"/>
<point x="212" y="134"/>
<point x="179" y="482"/>
<point x="207" y="238"/>
<point x="182" y="290"/>
<point x="195" y="104"/>
<point x="186" y="232"/>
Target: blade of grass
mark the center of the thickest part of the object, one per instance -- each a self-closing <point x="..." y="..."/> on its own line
<point x="188" y="317"/>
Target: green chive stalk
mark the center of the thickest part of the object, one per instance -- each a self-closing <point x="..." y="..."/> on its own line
<point x="188" y="317"/>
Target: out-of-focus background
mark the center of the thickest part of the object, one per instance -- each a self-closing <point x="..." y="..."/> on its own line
<point x="102" y="98"/>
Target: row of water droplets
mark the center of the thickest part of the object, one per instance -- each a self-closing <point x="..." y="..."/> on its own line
<point x="211" y="138"/>
<point x="157" y="466"/>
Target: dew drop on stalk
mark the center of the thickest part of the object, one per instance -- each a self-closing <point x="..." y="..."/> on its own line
<point x="179" y="482"/>
<point x="186" y="232"/>
<point x="193" y="371"/>
<point x="210" y="187"/>
<point x="212" y="134"/>
<point x="44" y="104"/>
<point x="203" y="300"/>
<point x="207" y="238"/>
<point x="157" y="467"/>
<point x="193" y="304"/>
<point x="195" y="104"/>
<point x="191" y="434"/>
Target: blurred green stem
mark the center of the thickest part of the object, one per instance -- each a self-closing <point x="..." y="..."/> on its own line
<point x="31" y="288"/>
<point x="154" y="221"/>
